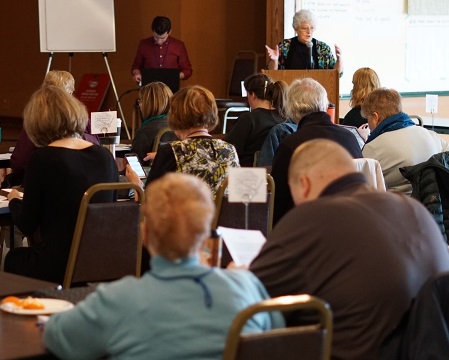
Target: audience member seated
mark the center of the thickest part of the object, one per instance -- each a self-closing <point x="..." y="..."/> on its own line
<point x="25" y="147"/>
<point x="193" y="113"/>
<point x="395" y="140"/>
<point x="266" y="99"/>
<point x="58" y="173"/>
<point x="306" y="104"/>
<point x="364" y="80"/>
<point x="365" y="252"/>
<point x="277" y="133"/>
<point x="154" y="101"/>
<point x="178" y="310"/>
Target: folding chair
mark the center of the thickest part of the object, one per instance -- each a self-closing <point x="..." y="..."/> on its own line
<point x="311" y="342"/>
<point x="164" y="135"/>
<point x="233" y="214"/>
<point x="245" y="64"/>
<point x="106" y="244"/>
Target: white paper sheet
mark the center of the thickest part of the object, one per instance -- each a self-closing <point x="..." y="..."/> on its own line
<point x="243" y="245"/>
<point x="104" y="122"/>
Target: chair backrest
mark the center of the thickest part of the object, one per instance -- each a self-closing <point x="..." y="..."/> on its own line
<point x="233" y="214"/>
<point x="164" y="135"/>
<point x="418" y="118"/>
<point x="426" y="334"/>
<point x="106" y="244"/>
<point x="231" y="114"/>
<point x="245" y="64"/>
<point x="373" y="172"/>
<point x="311" y="342"/>
<point x="430" y="186"/>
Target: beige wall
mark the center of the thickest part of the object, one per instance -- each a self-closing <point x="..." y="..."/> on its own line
<point x="412" y="106"/>
<point x="213" y="30"/>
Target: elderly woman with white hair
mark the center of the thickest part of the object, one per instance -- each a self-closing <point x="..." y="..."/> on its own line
<point x="304" y="51"/>
<point x="178" y="310"/>
<point x="306" y="105"/>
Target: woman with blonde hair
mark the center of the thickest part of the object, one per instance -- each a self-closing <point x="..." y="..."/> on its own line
<point x="364" y="80"/>
<point x="154" y="101"/>
<point x="58" y="173"/>
<point x="61" y="79"/>
<point x="25" y="147"/>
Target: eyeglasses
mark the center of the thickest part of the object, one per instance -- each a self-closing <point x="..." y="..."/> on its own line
<point x="307" y="29"/>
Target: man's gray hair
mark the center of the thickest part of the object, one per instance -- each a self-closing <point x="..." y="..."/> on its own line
<point x="305" y="96"/>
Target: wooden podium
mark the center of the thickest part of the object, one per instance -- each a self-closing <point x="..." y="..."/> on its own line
<point x="330" y="79"/>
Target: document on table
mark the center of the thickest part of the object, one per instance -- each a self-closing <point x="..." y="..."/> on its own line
<point x="243" y="245"/>
<point x="5" y="193"/>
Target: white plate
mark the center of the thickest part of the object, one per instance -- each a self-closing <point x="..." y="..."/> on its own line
<point x="51" y="306"/>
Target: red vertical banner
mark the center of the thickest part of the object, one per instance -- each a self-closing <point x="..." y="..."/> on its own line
<point x="92" y="89"/>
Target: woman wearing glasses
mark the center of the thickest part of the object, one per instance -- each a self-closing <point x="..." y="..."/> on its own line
<point x="154" y="102"/>
<point x="304" y="51"/>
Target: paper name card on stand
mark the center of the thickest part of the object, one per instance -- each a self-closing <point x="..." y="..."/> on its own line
<point x="104" y="122"/>
<point x="431" y="104"/>
<point x="247" y="185"/>
<point x="243" y="245"/>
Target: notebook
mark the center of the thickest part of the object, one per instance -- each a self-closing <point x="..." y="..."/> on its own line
<point x="169" y="77"/>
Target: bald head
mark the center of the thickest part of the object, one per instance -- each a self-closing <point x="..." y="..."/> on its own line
<point x="314" y="165"/>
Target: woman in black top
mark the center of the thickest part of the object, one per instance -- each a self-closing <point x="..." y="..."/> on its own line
<point x="266" y="99"/>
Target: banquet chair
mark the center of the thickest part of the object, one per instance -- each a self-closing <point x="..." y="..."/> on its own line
<point x="426" y="334"/>
<point x="373" y="172"/>
<point x="311" y="342"/>
<point x="418" y="118"/>
<point x="245" y="64"/>
<point x="430" y="186"/>
<point x="232" y="215"/>
<point x="164" y="135"/>
<point x="106" y="244"/>
<point x="231" y="113"/>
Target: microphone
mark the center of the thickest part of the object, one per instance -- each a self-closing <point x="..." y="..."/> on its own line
<point x="126" y="92"/>
<point x="309" y="44"/>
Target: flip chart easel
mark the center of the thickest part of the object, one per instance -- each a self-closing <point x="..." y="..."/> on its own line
<point x="69" y="26"/>
<point x="105" y="57"/>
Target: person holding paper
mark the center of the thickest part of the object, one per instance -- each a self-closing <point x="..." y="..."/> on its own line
<point x="179" y="309"/>
<point x="365" y="252"/>
<point x="395" y="140"/>
<point x="161" y="51"/>
<point x="304" y="51"/>
<point x="58" y="173"/>
<point x="267" y="101"/>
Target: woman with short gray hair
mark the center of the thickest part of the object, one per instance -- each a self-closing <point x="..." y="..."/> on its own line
<point x="304" y="51"/>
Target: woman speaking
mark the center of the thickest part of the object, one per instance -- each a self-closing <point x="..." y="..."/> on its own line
<point x="304" y="51"/>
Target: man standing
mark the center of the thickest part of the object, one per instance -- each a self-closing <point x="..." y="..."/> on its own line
<point x="306" y="104"/>
<point x="365" y="252"/>
<point x="161" y="51"/>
